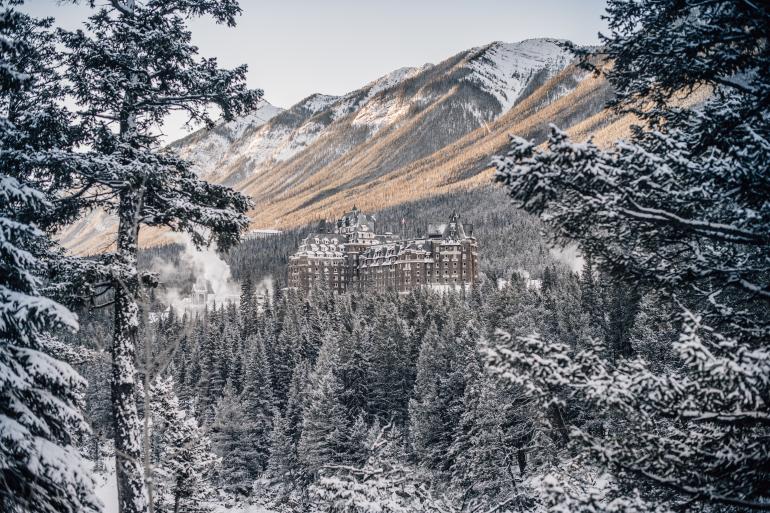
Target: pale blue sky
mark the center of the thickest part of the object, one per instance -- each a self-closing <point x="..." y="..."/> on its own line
<point x="298" y="47"/>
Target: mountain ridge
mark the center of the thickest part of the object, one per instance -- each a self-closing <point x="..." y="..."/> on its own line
<point x="383" y="143"/>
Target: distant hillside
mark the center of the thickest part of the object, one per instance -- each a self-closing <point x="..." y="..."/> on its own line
<point x="411" y="134"/>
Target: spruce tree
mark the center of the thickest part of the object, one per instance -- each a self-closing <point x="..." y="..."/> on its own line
<point x="325" y="422"/>
<point x="680" y="208"/>
<point x="248" y="308"/>
<point x="230" y="434"/>
<point x="133" y="65"/>
<point x="257" y="404"/>
<point x="40" y="469"/>
<point x="185" y="464"/>
<point x="428" y="416"/>
<point x="283" y="464"/>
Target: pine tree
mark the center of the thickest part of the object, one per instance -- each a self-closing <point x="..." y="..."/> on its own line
<point x="248" y="308"/>
<point x="382" y="483"/>
<point x="231" y="440"/>
<point x="285" y="469"/>
<point x="185" y="464"/>
<point x="284" y="357"/>
<point x="326" y="424"/>
<point x="490" y="448"/>
<point x="433" y="414"/>
<point x="40" y="469"/>
<point x="390" y="373"/>
<point x="131" y="68"/>
<point x="207" y="386"/>
<point x="591" y="297"/>
<point x="679" y="209"/>
<point x="354" y="369"/>
<point x="283" y="465"/>
<point x="257" y="404"/>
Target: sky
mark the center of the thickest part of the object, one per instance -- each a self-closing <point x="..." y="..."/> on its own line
<point x="295" y="48"/>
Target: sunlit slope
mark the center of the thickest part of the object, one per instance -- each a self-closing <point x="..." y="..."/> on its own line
<point x="411" y="134"/>
<point x="459" y="165"/>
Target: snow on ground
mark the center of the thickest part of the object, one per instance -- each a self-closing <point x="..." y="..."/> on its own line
<point x="106" y="485"/>
<point x="241" y="508"/>
<point x="107" y="492"/>
<point x="504" y="69"/>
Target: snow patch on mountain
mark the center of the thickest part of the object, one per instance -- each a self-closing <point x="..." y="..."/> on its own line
<point x="354" y="100"/>
<point x="504" y="69"/>
<point x="300" y="139"/>
<point x="381" y="112"/>
<point x="207" y="150"/>
<point x="259" y="117"/>
<point x="247" y="146"/>
<point x="318" y="102"/>
<point x="393" y="78"/>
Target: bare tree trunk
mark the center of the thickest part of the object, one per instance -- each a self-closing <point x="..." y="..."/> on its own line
<point x="177" y="502"/>
<point x="132" y="496"/>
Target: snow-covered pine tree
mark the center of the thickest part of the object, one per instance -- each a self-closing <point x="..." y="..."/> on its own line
<point x="40" y="469"/>
<point x="248" y="308"/>
<point x="353" y="368"/>
<point x="490" y="450"/>
<point x="134" y="65"/>
<point x="185" y="465"/>
<point x="284" y="354"/>
<point x="436" y="407"/>
<point x="390" y="368"/>
<point x="326" y="424"/>
<point x="231" y="439"/>
<point x="382" y="483"/>
<point x="257" y="404"/>
<point x="283" y="464"/>
<point x="682" y="208"/>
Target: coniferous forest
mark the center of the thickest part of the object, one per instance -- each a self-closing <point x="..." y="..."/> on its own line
<point x="613" y="358"/>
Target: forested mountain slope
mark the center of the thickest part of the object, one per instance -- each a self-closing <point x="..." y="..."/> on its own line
<point x="411" y="134"/>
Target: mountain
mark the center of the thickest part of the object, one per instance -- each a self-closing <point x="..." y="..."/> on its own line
<point x="453" y="97"/>
<point x="410" y="134"/>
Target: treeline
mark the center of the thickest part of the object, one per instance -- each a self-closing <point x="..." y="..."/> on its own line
<point x="301" y="395"/>
<point x="509" y="240"/>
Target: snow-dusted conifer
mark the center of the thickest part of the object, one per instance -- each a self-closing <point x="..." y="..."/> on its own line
<point x="257" y="404"/>
<point x="185" y="465"/>
<point x="134" y="65"/>
<point x="230" y="434"/>
<point x="40" y="469"/>
<point x="326" y="426"/>
<point x="680" y="208"/>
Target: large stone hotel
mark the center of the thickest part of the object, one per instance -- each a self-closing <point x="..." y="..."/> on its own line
<point x="353" y="256"/>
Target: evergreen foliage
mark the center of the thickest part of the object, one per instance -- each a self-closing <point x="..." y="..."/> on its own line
<point x="680" y="211"/>
<point x="132" y="66"/>
<point x="183" y="471"/>
<point x="40" y="468"/>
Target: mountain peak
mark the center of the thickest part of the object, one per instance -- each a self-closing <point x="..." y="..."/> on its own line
<point x="393" y="78"/>
<point x="317" y="102"/>
<point x="504" y="69"/>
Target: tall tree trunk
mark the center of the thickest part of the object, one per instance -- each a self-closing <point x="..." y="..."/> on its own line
<point x="132" y="497"/>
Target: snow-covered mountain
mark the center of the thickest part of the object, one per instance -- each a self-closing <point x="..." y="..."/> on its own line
<point x="206" y="148"/>
<point x="505" y="70"/>
<point x="473" y="87"/>
<point x="412" y="133"/>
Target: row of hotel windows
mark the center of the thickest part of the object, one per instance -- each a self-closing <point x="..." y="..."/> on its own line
<point x="429" y="269"/>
